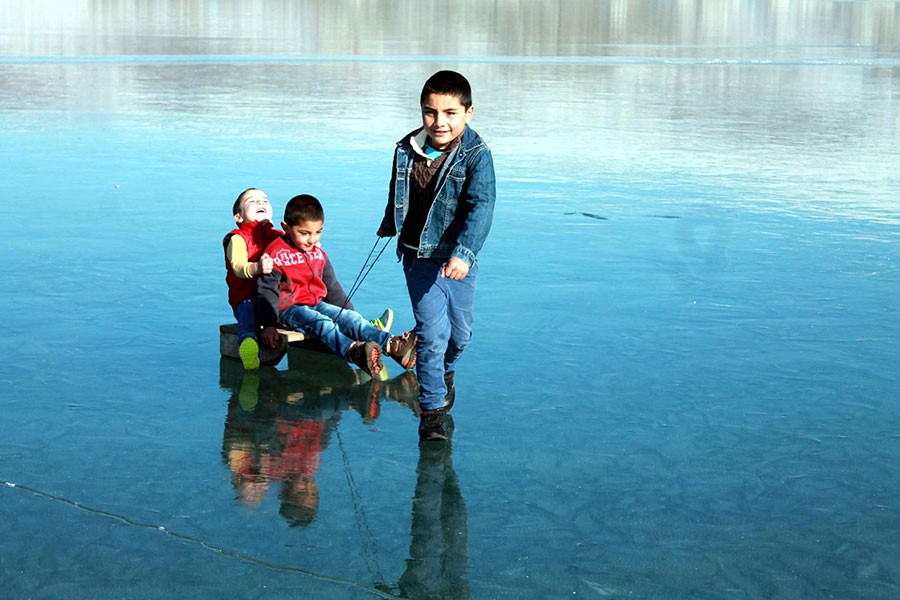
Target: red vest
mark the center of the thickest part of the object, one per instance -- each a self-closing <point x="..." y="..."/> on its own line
<point x="257" y="236"/>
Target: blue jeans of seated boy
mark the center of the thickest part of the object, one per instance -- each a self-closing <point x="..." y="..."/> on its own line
<point x="443" y="309"/>
<point x="245" y="313"/>
<point x="335" y="327"/>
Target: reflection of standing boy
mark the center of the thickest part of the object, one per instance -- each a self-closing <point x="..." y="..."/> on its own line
<point x="438" y="553"/>
<point x="441" y="203"/>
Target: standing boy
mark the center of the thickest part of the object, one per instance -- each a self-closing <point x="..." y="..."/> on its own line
<point x="294" y="294"/>
<point x="441" y="203"/>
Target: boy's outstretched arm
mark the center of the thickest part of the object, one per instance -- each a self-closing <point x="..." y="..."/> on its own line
<point x="267" y="307"/>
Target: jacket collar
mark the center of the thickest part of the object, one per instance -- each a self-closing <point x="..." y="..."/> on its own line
<point x="467" y="141"/>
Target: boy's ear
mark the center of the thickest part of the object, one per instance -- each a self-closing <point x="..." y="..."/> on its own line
<point x="469" y="114"/>
<point x="284" y="225"/>
<point x="238" y="218"/>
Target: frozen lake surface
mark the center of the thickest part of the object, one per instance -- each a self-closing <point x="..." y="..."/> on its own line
<point x="683" y="381"/>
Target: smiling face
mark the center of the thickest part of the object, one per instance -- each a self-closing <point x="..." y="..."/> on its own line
<point x="305" y="234"/>
<point x="445" y="118"/>
<point x="254" y="206"/>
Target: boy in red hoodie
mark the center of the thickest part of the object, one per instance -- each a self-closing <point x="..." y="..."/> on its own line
<point x="294" y="294"/>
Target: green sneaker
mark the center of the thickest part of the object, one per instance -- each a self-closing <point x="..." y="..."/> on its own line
<point x="249" y="351"/>
<point x="385" y="321"/>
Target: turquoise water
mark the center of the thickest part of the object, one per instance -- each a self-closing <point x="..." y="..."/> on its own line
<point x="684" y="372"/>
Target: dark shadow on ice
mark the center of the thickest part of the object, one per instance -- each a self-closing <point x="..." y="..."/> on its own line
<point x="602" y="218"/>
<point x="279" y="422"/>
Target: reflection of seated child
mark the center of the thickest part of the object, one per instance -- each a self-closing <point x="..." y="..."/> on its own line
<point x="299" y="497"/>
<point x="299" y="444"/>
<point x="246" y="260"/>
<point x="292" y="456"/>
<point x="294" y="294"/>
<point x="244" y="460"/>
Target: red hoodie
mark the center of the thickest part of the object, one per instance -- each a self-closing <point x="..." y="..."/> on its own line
<point x="295" y="279"/>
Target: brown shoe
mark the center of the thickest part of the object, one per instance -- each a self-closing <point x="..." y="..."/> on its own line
<point x="431" y="426"/>
<point x="402" y="348"/>
<point x="366" y="356"/>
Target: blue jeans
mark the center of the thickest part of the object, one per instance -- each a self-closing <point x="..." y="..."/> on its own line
<point x="245" y="313"/>
<point x="443" y="309"/>
<point x="335" y="327"/>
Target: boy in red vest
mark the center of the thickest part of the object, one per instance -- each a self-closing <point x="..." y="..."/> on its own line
<point x="246" y="261"/>
<point x="294" y="293"/>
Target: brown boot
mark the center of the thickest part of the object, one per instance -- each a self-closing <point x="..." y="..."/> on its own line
<point x="402" y="348"/>
<point x="431" y="426"/>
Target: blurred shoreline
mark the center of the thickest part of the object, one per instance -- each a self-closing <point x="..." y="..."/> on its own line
<point x="777" y="28"/>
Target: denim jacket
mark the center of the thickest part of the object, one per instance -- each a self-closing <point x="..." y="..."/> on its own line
<point x="460" y="217"/>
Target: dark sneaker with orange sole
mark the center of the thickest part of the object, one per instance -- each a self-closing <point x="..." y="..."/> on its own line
<point x="366" y="356"/>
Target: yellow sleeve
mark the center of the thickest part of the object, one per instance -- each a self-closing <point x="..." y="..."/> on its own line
<point x="236" y="253"/>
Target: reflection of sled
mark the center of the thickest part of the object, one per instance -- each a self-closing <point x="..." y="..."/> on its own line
<point x="228" y="344"/>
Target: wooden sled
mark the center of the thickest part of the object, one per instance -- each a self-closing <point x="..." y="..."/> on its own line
<point x="228" y="344"/>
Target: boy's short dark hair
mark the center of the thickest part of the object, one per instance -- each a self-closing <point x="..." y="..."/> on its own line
<point x="303" y="208"/>
<point x="448" y="83"/>
<point x="237" y="203"/>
